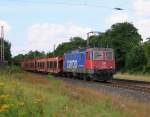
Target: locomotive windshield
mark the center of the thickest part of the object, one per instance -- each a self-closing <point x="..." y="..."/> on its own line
<point x="98" y="55"/>
<point x="102" y="55"/>
<point x="109" y="55"/>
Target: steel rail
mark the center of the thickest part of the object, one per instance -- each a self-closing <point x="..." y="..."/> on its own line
<point x="133" y="85"/>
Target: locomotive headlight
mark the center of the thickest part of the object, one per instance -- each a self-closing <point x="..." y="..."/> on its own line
<point x="104" y="63"/>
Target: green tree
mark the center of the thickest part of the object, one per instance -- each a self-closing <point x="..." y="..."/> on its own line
<point x="7" y="51"/>
<point x="147" y="54"/>
<point x="122" y="37"/>
<point x="75" y="42"/>
<point x="29" y="55"/>
<point x="135" y="59"/>
<point x="98" y="40"/>
<point x="19" y="57"/>
<point x="35" y="54"/>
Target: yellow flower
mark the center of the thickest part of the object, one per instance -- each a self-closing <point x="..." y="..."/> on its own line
<point x="4" y="96"/>
<point x="4" y="107"/>
<point x="11" y="105"/>
<point x="21" y="103"/>
<point x="35" y="102"/>
<point x="1" y="84"/>
<point x="1" y="110"/>
<point x="14" y="83"/>
<point x="38" y="101"/>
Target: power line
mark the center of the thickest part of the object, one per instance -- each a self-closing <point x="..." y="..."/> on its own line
<point x="84" y="4"/>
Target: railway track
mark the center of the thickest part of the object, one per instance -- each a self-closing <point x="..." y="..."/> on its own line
<point x="141" y="86"/>
<point x="132" y="81"/>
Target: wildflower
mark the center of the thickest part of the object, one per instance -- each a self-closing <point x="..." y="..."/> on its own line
<point x="11" y="105"/>
<point x="4" y="96"/>
<point x="37" y="101"/>
<point x="4" y="107"/>
<point x="1" y="110"/>
<point x="14" y="83"/>
<point x="21" y="103"/>
<point x="1" y="84"/>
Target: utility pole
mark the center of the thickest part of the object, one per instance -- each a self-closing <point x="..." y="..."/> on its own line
<point x="2" y="55"/>
<point x="54" y="51"/>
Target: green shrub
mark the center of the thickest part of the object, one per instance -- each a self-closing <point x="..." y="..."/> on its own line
<point x="135" y="60"/>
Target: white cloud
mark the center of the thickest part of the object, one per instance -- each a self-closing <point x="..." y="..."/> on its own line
<point x="141" y="7"/>
<point x="117" y="17"/>
<point x="143" y="27"/>
<point x="141" y="23"/>
<point x="43" y="36"/>
<point x="5" y="24"/>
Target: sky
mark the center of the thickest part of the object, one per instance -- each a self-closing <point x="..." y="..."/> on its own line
<point x="41" y="24"/>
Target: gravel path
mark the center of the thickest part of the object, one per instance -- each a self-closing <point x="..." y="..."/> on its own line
<point x="103" y="87"/>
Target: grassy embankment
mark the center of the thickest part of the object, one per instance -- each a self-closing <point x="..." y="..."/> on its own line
<point x="132" y="77"/>
<point x="26" y="95"/>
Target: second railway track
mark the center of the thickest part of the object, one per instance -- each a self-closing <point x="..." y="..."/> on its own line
<point x="141" y="86"/>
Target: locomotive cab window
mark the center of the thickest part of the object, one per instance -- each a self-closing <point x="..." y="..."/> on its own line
<point x="98" y="55"/>
<point x="109" y="55"/>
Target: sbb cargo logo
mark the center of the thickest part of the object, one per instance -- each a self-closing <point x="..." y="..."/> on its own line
<point x="72" y="64"/>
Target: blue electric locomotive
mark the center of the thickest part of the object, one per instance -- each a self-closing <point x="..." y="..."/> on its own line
<point x="74" y="61"/>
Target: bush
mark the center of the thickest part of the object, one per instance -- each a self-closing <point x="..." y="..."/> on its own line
<point x="135" y="59"/>
<point x="147" y="54"/>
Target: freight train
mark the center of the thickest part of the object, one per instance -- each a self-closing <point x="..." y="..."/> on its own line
<point x="87" y="63"/>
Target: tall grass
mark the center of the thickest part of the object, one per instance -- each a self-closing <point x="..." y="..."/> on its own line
<point x="27" y="95"/>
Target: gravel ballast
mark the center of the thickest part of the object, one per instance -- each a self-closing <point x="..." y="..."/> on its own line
<point x="106" y="88"/>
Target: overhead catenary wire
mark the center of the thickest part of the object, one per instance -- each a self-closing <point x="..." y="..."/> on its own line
<point x="83" y="4"/>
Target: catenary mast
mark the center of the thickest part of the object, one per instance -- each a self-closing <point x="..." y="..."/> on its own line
<point x="2" y="56"/>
